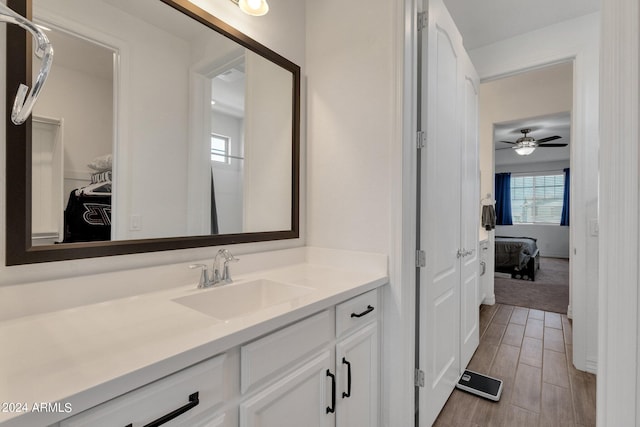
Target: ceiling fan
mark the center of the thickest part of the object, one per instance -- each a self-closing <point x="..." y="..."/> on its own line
<point x="526" y="145"/>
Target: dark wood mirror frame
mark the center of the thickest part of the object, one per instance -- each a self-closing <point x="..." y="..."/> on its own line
<point x="19" y="248"/>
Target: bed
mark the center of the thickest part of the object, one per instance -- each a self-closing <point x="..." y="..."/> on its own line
<point x="518" y="256"/>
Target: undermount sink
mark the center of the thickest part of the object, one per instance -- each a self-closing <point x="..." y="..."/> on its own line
<point x="229" y="301"/>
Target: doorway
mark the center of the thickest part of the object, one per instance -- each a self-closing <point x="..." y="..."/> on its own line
<point x="532" y="107"/>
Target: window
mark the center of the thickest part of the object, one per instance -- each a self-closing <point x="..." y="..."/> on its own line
<point x="537" y="199"/>
<point x="220" y="148"/>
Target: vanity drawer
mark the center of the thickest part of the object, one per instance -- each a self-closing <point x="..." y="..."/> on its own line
<point x="356" y="312"/>
<point x="282" y="349"/>
<point x="153" y="401"/>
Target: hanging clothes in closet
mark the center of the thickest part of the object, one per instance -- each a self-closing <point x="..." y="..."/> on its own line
<point x="87" y="217"/>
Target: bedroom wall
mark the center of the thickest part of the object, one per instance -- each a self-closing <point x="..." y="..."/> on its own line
<point x="552" y="240"/>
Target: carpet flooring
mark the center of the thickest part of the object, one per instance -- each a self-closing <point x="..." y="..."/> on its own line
<point x="549" y="292"/>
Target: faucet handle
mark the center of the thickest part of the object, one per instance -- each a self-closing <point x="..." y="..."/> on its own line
<point x="226" y="273"/>
<point x="204" y="281"/>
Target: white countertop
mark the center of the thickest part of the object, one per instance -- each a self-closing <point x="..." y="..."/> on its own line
<point x="85" y="355"/>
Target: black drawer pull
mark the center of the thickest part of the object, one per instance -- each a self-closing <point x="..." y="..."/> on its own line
<point x="331" y="409"/>
<point x="364" y="313"/>
<point x="348" y="393"/>
<point x="193" y="402"/>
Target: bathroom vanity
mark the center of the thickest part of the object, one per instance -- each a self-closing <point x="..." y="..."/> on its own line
<point x="287" y="346"/>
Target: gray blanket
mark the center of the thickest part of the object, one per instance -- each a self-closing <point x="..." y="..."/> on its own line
<point x="515" y="251"/>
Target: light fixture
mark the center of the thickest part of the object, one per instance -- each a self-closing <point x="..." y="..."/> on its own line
<point x="253" y="7"/>
<point x="525" y="148"/>
<point x="525" y="145"/>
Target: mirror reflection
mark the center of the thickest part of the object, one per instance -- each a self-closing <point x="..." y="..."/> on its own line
<point x="152" y="125"/>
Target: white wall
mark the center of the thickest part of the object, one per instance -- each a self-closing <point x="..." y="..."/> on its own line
<point x="68" y="95"/>
<point x="576" y="39"/>
<point x="281" y="30"/>
<point x="351" y="119"/>
<point x="356" y="171"/>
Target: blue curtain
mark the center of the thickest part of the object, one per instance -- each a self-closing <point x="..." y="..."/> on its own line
<point x="503" y="199"/>
<point x="564" y="219"/>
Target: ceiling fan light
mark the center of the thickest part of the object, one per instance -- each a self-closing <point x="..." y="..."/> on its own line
<point x="525" y="150"/>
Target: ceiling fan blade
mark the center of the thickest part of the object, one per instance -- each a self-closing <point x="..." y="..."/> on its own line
<point x="552" y="145"/>
<point x="549" y="138"/>
<point x="508" y="142"/>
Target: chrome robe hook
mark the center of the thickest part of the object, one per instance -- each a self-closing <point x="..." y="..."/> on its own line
<point x="23" y="102"/>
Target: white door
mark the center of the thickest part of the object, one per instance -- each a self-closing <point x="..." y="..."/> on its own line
<point x="449" y="210"/>
<point x="357" y="368"/>
<point x="440" y="212"/>
<point x="470" y="214"/>
<point x="302" y="397"/>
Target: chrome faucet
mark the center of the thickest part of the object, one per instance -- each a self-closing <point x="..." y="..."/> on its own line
<point x="222" y="275"/>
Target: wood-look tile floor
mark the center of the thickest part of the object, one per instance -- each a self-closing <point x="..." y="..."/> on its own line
<point x="530" y="350"/>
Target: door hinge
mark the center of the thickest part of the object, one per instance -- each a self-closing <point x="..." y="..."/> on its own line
<point x="423" y="19"/>
<point x="421" y="258"/>
<point x="419" y="378"/>
<point x="421" y="139"/>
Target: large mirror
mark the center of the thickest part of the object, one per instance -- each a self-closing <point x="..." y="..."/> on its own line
<point x="160" y="127"/>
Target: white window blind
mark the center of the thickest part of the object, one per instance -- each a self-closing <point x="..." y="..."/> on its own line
<point x="537" y="199"/>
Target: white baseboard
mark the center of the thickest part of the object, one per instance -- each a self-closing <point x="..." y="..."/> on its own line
<point x="489" y="300"/>
<point x="570" y="312"/>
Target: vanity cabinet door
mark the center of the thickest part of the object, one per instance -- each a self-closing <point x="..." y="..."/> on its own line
<point x="302" y="397"/>
<point x="358" y="371"/>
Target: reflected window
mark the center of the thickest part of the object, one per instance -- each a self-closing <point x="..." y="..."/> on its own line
<point x="220" y="148"/>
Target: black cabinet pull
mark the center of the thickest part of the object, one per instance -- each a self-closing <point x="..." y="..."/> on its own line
<point x="193" y="402"/>
<point x="364" y="313"/>
<point x="348" y="393"/>
<point x="331" y="409"/>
